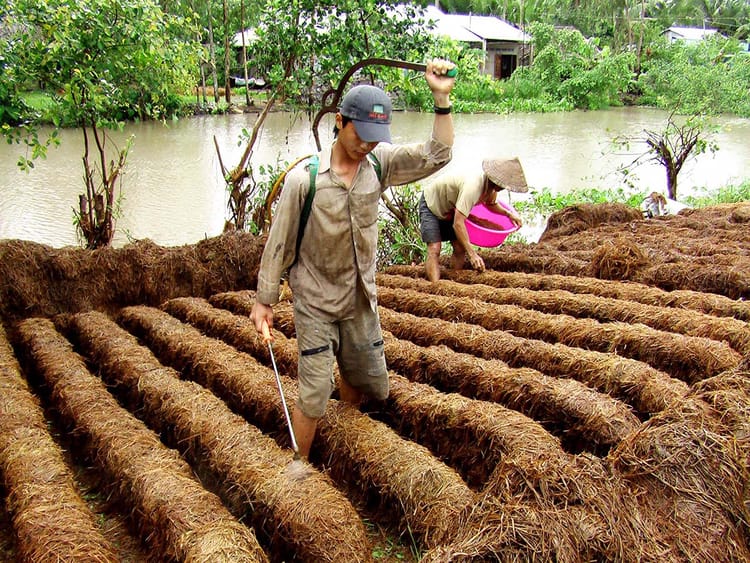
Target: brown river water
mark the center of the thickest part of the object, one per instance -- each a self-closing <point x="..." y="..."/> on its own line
<point x="173" y="192"/>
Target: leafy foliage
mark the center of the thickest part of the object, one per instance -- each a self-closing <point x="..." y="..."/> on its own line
<point x="726" y="194"/>
<point x="544" y="202"/>
<point x="320" y="40"/>
<point x="709" y="77"/>
<point x="573" y="70"/>
<point x="399" y="238"/>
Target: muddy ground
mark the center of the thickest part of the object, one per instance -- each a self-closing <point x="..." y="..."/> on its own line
<point x="584" y="398"/>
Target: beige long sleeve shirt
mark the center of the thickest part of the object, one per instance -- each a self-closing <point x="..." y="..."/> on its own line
<point x="338" y="250"/>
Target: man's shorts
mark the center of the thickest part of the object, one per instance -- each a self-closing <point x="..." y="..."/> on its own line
<point x="356" y="344"/>
<point x="432" y="228"/>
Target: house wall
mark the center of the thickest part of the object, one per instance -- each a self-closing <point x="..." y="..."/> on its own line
<point x="502" y="58"/>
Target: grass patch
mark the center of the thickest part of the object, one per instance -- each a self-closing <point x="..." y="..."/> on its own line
<point x="389" y="549"/>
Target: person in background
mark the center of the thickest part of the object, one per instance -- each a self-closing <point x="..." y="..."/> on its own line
<point x="332" y="276"/>
<point x="446" y="203"/>
<point x="654" y="205"/>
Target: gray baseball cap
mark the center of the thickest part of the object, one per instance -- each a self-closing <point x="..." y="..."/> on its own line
<point x="369" y="108"/>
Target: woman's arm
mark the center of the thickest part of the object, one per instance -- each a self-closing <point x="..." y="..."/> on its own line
<point x="510" y="214"/>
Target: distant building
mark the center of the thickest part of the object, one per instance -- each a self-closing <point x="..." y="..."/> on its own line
<point x="505" y="46"/>
<point x="688" y="34"/>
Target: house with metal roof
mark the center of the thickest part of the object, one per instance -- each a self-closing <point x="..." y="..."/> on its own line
<point x="688" y="34"/>
<point x="505" y="46"/>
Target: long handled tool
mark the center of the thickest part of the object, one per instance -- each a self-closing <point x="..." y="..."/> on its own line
<point x="267" y="339"/>
<point x="330" y="105"/>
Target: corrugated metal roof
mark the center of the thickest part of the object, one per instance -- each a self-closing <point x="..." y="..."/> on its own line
<point x="449" y="27"/>
<point x="690" y="33"/>
<point x="462" y="27"/>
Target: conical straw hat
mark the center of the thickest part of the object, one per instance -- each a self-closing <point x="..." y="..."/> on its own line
<point x="506" y="173"/>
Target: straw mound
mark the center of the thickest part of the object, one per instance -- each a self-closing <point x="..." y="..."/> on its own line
<point x="617" y="260"/>
<point x="577" y="218"/>
<point x="702" y="250"/>
<point x="249" y="468"/>
<point x="584" y="398"/>
<point x="42" y="281"/>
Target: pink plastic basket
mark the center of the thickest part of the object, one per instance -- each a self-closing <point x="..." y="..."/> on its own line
<point x="488" y="238"/>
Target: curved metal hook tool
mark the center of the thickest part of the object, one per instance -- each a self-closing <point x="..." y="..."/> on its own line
<point x="332" y="105"/>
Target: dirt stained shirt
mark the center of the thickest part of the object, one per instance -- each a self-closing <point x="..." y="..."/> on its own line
<point x="338" y="251"/>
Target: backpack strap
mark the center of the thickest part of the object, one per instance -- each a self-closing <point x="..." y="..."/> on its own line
<point x="376" y="165"/>
<point x="307" y="207"/>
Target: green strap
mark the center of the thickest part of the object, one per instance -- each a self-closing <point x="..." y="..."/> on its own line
<point x="375" y="164"/>
<point x="307" y="207"/>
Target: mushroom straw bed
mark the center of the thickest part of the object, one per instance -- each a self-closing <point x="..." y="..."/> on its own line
<point x="401" y="478"/>
<point x="504" y="436"/>
<point x="177" y="517"/>
<point x="310" y="519"/>
<point x="50" y="519"/>
<point x="683" y="357"/>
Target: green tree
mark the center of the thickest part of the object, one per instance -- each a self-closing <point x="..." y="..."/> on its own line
<point x="731" y="17"/>
<point x="103" y="61"/>
<point x="303" y="47"/>
<point x="567" y="67"/>
<point x="711" y="77"/>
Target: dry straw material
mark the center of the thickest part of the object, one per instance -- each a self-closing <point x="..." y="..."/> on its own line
<point x="645" y="389"/>
<point x="596" y="506"/>
<point x="582" y="217"/>
<point x="176" y="515"/>
<point x="729" y="394"/>
<point x="41" y="281"/>
<point x="627" y="262"/>
<point x="582" y="418"/>
<point x="708" y="303"/>
<point x="474" y="436"/>
<point x="237" y="330"/>
<point x="692" y="479"/>
<point x="50" y="520"/>
<point x="404" y="480"/>
<point x="605" y="309"/>
<point x="655" y="260"/>
<point x="306" y="519"/>
<point x="684" y="357"/>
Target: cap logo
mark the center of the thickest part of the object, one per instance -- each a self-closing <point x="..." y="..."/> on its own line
<point x="378" y="112"/>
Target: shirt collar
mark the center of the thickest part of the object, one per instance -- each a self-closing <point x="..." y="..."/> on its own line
<point x="325" y="159"/>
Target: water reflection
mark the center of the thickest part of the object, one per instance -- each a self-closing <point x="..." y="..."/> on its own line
<point x="173" y="192"/>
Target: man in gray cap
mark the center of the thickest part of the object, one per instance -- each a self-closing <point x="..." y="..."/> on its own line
<point x="446" y="203"/>
<point x="332" y="267"/>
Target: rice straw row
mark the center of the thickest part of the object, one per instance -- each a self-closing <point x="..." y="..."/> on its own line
<point x="587" y="419"/>
<point x="176" y="515"/>
<point x="647" y="390"/>
<point x="305" y="518"/>
<point x="717" y="305"/>
<point x="690" y="323"/>
<point x="365" y="456"/>
<point x="684" y="357"/>
<point x="51" y="522"/>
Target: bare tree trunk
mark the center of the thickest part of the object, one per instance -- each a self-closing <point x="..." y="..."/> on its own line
<point x="640" y="39"/>
<point x="244" y="53"/>
<point x="227" y="56"/>
<point x="212" y="51"/>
